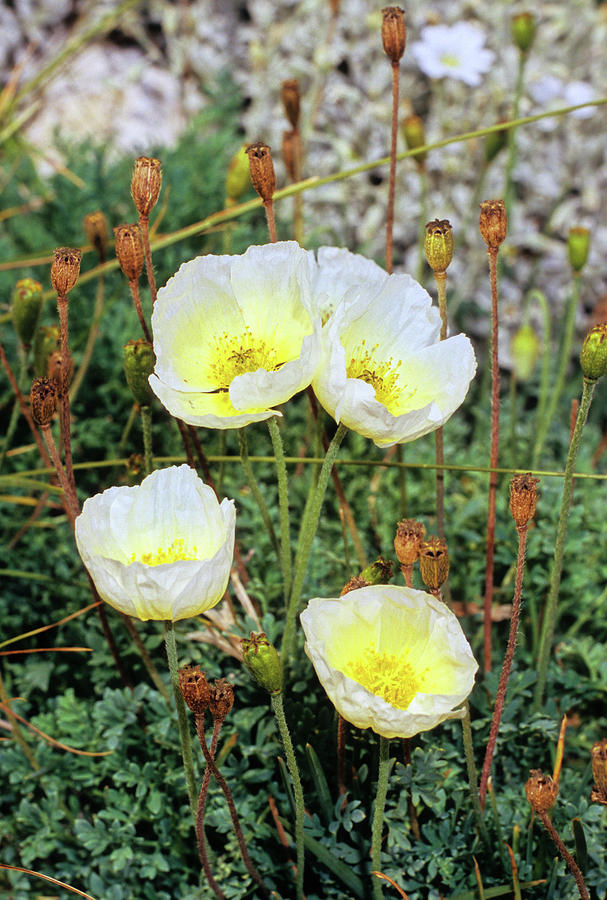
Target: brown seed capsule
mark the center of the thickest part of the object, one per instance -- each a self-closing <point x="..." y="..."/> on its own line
<point x="493" y="223"/>
<point x="262" y="170"/>
<point x="357" y="581"/>
<point x="438" y="244"/>
<point x="129" y="250"/>
<point x="289" y="94"/>
<point x="195" y="689"/>
<point x="65" y="270"/>
<point x="408" y="540"/>
<point x="523" y="499"/>
<point x="95" y="226"/>
<point x="222" y="698"/>
<point x="434" y="562"/>
<point x="54" y="367"/>
<point x="541" y="791"/>
<point x="43" y="400"/>
<point x="146" y="183"/>
<point x="599" y="770"/>
<point x="393" y="32"/>
<point x="291" y="150"/>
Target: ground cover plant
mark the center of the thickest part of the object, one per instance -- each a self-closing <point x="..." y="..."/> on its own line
<point x="302" y="586"/>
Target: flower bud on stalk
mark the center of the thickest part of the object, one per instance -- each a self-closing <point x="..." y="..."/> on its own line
<point x="221" y="698"/>
<point x="593" y="357"/>
<point x="95" y="226"/>
<point x="393" y="33"/>
<point x="46" y="341"/>
<point x="129" y="250"/>
<point x="438" y="244"/>
<point x="146" y="183"/>
<point x="525" y="349"/>
<point x="523" y="499"/>
<point x="578" y="247"/>
<point x="290" y="96"/>
<point x="541" y="791"/>
<point x="415" y="136"/>
<point x="238" y="177"/>
<point x="65" y="270"/>
<point x="378" y="572"/>
<point x="43" y="400"/>
<point x="25" y="308"/>
<point x="263" y="662"/>
<point x="195" y="689"/>
<point x="493" y="223"/>
<point x="523" y="30"/>
<point x="139" y="362"/>
<point x="599" y="770"/>
<point x="262" y="170"/>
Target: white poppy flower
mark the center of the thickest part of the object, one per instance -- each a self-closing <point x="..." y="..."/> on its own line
<point x="161" y="550"/>
<point x="334" y="271"/>
<point x="383" y="372"/>
<point x="235" y="336"/>
<point x="453" y="51"/>
<point x="390" y="658"/>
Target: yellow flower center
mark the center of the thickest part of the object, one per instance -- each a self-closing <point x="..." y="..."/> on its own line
<point x="385" y="675"/>
<point x="381" y="375"/>
<point x="236" y="354"/>
<point x="449" y="59"/>
<point x="173" y="553"/>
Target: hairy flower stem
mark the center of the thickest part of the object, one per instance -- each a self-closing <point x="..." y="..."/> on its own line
<point x="308" y="527"/>
<point x="269" y="208"/>
<point x="441" y="287"/>
<point x="202" y="800"/>
<point x="559" y="549"/>
<point x="134" y="288"/>
<point x="342" y="726"/>
<point x="392" y="181"/>
<point x="573" y="867"/>
<point x="64" y="393"/>
<point x="509" y="656"/>
<point x="231" y="807"/>
<point x="255" y="489"/>
<point x="146" y="427"/>
<point x="278" y="708"/>
<point x="493" y="461"/>
<point x="473" y="777"/>
<point x="283" y="503"/>
<point x="72" y="507"/>
<point x="144" y="223"/>
<point x="182" y="718"/>
<point x="378" y="813"/>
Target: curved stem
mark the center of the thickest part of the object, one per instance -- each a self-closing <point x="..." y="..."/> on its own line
<point x="255" y="490"/>
<point x="573" y="867"/>
<point x="278" y="708"/>
<point x="149" y="268"/>
<point x="182" y="718"/>
<point x="559" y="549"/>
<point x="62" y="302"/>
<point x="202" y="801"/>
<point x="378" y="813"/>
<point x="392" y="181"/>
<point x="441" y="286"/>
<point x="283" y="503"/>
<point x="134" y="289"/>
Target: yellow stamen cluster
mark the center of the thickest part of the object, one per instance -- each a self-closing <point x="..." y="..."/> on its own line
<point x="173" y="553"/>
<point x="382" y="375"/>
<point x="385" y="675"/>
<point x="236" y="354"/>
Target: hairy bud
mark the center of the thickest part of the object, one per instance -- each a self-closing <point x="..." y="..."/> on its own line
<point x="238" y="177"/>
<point x="578" y="247"/>
<point x="438" y="244"/>
<point x="139" y="362"/>
<point x="26" y="307"/>
<point x="593" y="357"/>
<point x="263" y="662"/>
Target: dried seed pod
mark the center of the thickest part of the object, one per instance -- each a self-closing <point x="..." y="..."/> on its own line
<point x="129" y="250"/>
<point x="54" y="369"/>
<point x="43" y="400"/>
<point x="263" y="662"/>
<point x="95" y="226"/>
<point x="493" y="223"/>
<point x="599" y="770"/>
<point x="357" y="581"/>
<point x="195" y="689"/>
<point x="434" y="562"/>
<point x="26" y="306"/>
<point x="222" y="698"/>
<point x="261" y="167"/>
<point x="523" y="499"/>
<point x="593" y="357"/>
<point x="291" y="150"/>
<point x="146" y="183"/>
<point x="393" y="33"/>
<point x="408" y="540"/>
<point x="290" y="96"/>
<point x="541" y="791"/>
<point x="438" y="244"/>
<point x="65" y="269"/>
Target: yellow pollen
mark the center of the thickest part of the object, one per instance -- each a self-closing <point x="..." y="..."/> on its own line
<point x="236" y="354"/>
<point x="173" y="553"/>
<point x="385" y="675"/>
<point x="382" y="375"/>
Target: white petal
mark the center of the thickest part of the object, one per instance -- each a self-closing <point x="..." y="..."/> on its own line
<point x="207" y="410"/>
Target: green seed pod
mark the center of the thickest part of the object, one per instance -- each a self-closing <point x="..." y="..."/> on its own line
<point x="47" y="341"/>
<point x="263" y="662"/>
<point x="523" y="30"/>
<point x="139" y="361"/>
<point x="378" y="572"/>
<point x="525" y="349"/>
<point x="238" y="179"/>
<point x="438" y="244"/>
<point x="593" y="357"/>
<point x="578" y="247"/>
<point x="25" y="308"/>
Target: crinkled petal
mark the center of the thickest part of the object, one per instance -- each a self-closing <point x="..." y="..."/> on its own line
<point x="336" y="273"/>
<point x="207" y="410"/>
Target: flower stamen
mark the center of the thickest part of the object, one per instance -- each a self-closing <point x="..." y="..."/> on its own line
<point x="383" y="376"/>
<point x="236" y="354"/>
<point x="173" y="553"/>
<point x="386" y="675"/>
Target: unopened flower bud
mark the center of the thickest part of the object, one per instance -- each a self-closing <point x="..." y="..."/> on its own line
<point x="46" y="341"/>
<point x="523" y="30"/>
<point x="593" y="357"/>
<point x="139" y="362"/>
<point x="65" y="270"/>
<point x="195" y="689"/>
<point x="95" y="226"/>
<point x="599" y="770"/>
<point x="291" y="153"/>
<point x="493" y="223"/>
<point x="525" y="350"/>
<point x="289" y="94"/>
<point x="221" y="699"/>
<point x="356" y="582"/>
<point x="541" y="791"/>
<point x="129" y="250"/>
<point x="238" y="178"/>
<point x="378" y="572"/>
<point x="25" y="308"/>
<point x="495" y="142"/>
<point x="414" y="134"/>
<point x="393" y="33"/>
<point x="578" y="247"/>
<point x="146" y="183"/>
<point x="438" y="244"/>
<point x="523" y="498"/>
<point x="434" y="563"/>
<point x="262" y="170"/>
<point x="54" y="369"/>
<point x="408" y="540"/>
<point x="43" y="400"/>
<point x="263" y="662"/>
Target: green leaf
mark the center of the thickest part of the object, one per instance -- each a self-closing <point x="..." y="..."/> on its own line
<point x="581" y="851"/>
<point x="320" y="783"/>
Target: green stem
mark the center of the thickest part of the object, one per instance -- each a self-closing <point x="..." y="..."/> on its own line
<point x="513" y="392"/>
<point x="378" y="813"/>
<point x="255" y="490"/>
<point x="545" y="370"/>
<point x="278" y="708"/>
<point x="146" y="658"/>
<point x="283" y="503"/>
<point x="473" y="777"/>
<point x="146" y="427"/>
<point x="182" y="718"/>
<point x="559" y="549"/>
<point x="309" y="524"/>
